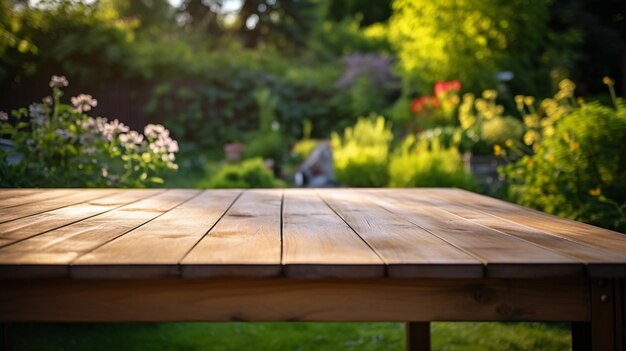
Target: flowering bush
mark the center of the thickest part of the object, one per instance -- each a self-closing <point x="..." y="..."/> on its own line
<point x="579" y="168"/>
<point x="52" y="144"/>
<point x="438" y="110"/>
<point x="483" y="120"/>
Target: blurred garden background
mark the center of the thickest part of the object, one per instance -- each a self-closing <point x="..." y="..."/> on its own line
<point x="518" y="99"/>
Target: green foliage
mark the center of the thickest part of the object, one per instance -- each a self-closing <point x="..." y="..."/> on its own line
<point x="57" y="145"/>
<point x="362" y="153"/>
<point x="301" y="336"/>
<point x="250" y="173"/>
<point x="216" y="106"/>
<point x="346" y="37"/>
<point x="428" y="164"/>
<point x="578" y="171"/>
<point x="267" y="142"/>
<point x="470" y="40"/>
<point x="67" y="36"/>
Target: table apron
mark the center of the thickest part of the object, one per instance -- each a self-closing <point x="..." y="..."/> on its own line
<point x="285" y="299"/>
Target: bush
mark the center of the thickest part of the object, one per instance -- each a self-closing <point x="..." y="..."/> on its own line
<point x="361" y="155"/>
<point x="483" y="120"/>
<point x="579" y="169"/>
<point x="250" y="173"/>
<point x="428" y="164"/>
<point x="53" y="144"/>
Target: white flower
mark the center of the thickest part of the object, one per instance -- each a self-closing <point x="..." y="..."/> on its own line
<point x="84" y="102"/>
<point x="154" y="130"/>
<point x="3" y="116"/>
<point x="63" y="134"/>
<point x="89" y="150"/>
<point x="58" y="82"/>
<point x="48" y="100"/>
<point x="38" y="113"/>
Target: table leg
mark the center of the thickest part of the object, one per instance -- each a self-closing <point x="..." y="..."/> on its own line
<point x="581" y="336"/>
<point x="418" y="336"/>
<point x="5" y="337"/>
<point x="607" y="315"/>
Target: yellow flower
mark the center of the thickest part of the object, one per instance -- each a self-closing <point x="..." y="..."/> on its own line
<point x="580" y="100"/>
<point x="508" y="143"/>
<point x="530" y="137"/>
<point x="490" y="94"/>
<point x="574" y="146"/>
<point x="529" y="100"/>
<point x="608" y="81"/>
<point x="497" y="150"/>
<point x="567" y="85"/>
<point x="595" y="192"/>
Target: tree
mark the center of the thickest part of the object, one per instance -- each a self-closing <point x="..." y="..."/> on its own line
<point x="470" y="40"/>
<point x="284" y="23"/>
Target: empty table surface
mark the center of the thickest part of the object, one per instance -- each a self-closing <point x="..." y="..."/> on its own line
<point x="294" y="233"/>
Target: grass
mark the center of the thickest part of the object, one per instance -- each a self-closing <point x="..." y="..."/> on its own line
<point x="285" y="336"/>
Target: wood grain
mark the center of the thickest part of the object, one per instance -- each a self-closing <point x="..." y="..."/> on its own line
<point x="503" y="255"/>
<point x="408" y="250"/>
<point x="596" y="237"/>
<point x="51" y="253"/>
<point x="69" y="198"/>
<point x="157" y="247"/>
<point x="295" y="300"/>
<point x="317" y="243"/>
<point x="6" y="193"/>
<point x="26" y="227"/>
<point x="15" y="197"/>
<point x="610" y="262"/>
<point x="245" y="242"/>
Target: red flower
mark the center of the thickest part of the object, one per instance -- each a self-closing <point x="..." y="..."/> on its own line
<point x="424" y="102"/>
<point x="443" y="87"/>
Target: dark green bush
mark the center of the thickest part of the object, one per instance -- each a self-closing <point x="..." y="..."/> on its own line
<point x="250" y="173"/>
<point x="578" y="172"/>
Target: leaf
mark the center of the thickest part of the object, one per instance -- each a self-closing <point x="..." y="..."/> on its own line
<point x="156" y="180"/>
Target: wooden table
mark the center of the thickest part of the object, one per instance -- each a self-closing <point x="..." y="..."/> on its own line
<point x="409" y="255"/>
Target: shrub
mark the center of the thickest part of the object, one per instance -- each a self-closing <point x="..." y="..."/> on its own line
<point x="485" y="123"/>
<point x="250" y="173"/>
<point x="58" y="145"/>
<point x="579" y="168"/>
<point x="428" y="164"/>
<point x="361" y="155"/>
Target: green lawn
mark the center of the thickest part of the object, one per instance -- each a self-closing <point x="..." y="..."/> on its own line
<point x="285" y="336"/>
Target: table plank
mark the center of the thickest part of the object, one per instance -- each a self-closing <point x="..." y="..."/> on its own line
<point x="318" y="243"/>
<point x="6" y="193"/>
<point x="69" y="198"/>
<point x="408" y="250"/>
<point x="15" y="197"/>
<point x="26" y="227"/>
<point x="611" y="261"/>
<point x="502" y="254"/>
<point x="51" y="253"/>
<point x="565" y="228"/>
<point x="156" y="248"/>
<point x="245" y="242"/>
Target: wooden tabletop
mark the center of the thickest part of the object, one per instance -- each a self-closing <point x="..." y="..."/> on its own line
<point x="313" y="233"/>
